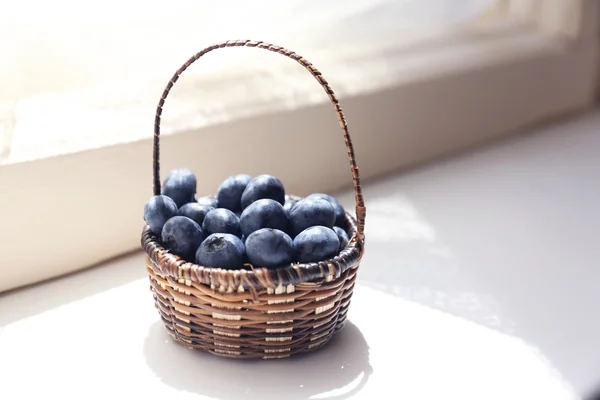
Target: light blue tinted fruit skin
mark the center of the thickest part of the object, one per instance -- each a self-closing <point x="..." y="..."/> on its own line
<point x="195" y="211"/>
<point x="269" y="248"/>
<point x="311" y="212"/>
<point x="263" y="187"/>
<point x="229" y="194"/>
<point x="289" y="204"/>
<point x="180" y="185"/>
<point x="182" y="236"/>
<point x="221" y="220"/>
<point x="221" y="250"/>
<point x="342" y="236"/>
<point x="264" y="213"/>
<point x="157" y="211"/>
<point x="210" y="201"/>
<point x="340" y="213"/>
<point x="317" y="243"/>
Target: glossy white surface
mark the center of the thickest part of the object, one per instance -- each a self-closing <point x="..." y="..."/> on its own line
<point x="480" y="281"/>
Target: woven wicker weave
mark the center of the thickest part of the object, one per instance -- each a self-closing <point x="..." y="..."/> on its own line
<point x="255" y="312"/>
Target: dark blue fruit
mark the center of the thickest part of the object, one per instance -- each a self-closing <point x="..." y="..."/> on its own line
<point x="195" y="211"/>
<point x="289" y="204"/>
<point x="221" y="250"/>
<point x="182" y="236"/>
<point x="263" y="187"/>
<point x="311" y="212"/>
<point x="210" y="201"/>
<point x="340" y="213"/>
<point x="316" y="243"/>
<point x="230" y="192"/>
<point x="264" y="213"/>
<point x="342" y="236"/>
<point x="157" y="211"/>
<point x="269" y="248"/>
<point x="221" y="220"/>
<point x="180" y="185"/>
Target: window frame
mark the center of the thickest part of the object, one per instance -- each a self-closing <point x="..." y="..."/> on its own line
<point x="573" y="20"/>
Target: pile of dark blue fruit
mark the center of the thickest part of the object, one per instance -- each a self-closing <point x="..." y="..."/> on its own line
<point x="249" y="221"/>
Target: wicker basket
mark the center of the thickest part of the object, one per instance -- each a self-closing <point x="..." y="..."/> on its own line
<point x="255" y="312"/>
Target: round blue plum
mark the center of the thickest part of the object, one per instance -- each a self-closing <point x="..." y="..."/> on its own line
<point x="342" y="236"/>
<point x="210" y="201"/>
<point x="221" y="220"/>
<point x="221" y="250"/>
<point x="180" y="185"/>
<point x="157" y="211"/>
<point x="311" y="212"/>
<point x="182" y="236"/>
<point x="195" y="211"/>
<point x="269" y="248"/>
<point x="263" y="187"/>
<point x="340" y="213"/>
<point x="316" y="243"/>
<point x="263" y="213"/>
<point x="230" y="192"/>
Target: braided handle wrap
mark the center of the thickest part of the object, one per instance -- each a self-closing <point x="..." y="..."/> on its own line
<point x="360" y="206"/>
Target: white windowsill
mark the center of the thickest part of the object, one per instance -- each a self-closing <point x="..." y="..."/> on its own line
<point x="230" y="85"/>
<point x="464" y="259"/>
<point x="354" y="43"/>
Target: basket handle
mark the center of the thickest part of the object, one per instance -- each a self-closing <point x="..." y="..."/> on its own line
<point x="360" y="205"/>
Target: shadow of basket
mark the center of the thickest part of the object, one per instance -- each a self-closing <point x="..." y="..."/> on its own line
<point x="337" y="371"/>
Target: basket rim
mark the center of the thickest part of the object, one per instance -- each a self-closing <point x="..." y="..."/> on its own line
<point x="255" y="278"/>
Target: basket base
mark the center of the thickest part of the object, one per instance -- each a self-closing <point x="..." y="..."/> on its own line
<point x="271" y="324"/>
<point x="227" y="354"/>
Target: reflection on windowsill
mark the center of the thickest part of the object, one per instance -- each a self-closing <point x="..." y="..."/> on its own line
<point x="425" y="270"/>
